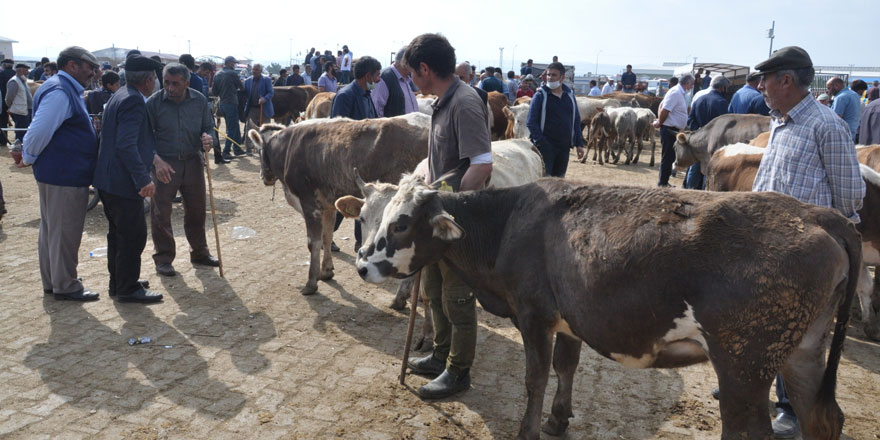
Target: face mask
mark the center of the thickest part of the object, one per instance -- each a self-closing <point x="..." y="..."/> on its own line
<point x="371" y="86"/>
<point x="554" y="84"/>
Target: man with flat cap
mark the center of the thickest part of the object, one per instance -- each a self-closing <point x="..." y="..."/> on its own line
<point x="227" y="83"/>
<point x="122" y="178"/>
<point x="748" y="99"/>
<point x="62" y="146"/>
<point x="6" y="72"/>
<point x="811" y="157"/>
<point x="20" y="100"/>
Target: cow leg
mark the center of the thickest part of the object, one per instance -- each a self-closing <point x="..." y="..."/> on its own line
<point x="537" y="342"/>
<point x="866" y="291"/>
<point x="653" y="147"/>
<point x="639" y="150"/>
<point x="427" y="341"/>
<point x="566" y="355"/>
<point x="629" y="149"/>
<point x="327" y="219"/>
<point x="313" y="232"/>
<point x="872" y="325"/>
<point x="743" y="401"/>
<point x="404" y="289"/>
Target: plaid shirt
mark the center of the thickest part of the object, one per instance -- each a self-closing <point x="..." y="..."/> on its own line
<point x="811" y="157"/>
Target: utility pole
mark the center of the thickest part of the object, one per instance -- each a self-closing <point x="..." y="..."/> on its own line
<point x="513" y="58"/>
<point x="290" y="53"/>
<point x="188" y="49"/>
<point x="501" y="57"/>
<point x="771" y="35"/>
<point x="596" y="72"/>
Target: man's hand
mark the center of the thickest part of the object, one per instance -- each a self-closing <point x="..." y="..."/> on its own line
<point x="656" y="123"/>
<point x="148" y="190"/>
<point x="16" y="156"/>
<point x="262" y="100"/>
<point x="580" y="152"/>
<point x="207" y="141"/>
<point x="96" y="122"/>
<point x="163" y="170"/>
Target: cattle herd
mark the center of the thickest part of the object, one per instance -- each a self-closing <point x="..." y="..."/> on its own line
<point x="648" y="277"/>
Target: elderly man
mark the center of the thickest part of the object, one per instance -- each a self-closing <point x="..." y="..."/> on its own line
<point x="62" y="146"/>
<point x="123" y="179"/>
<point x="259" y="97"/>
<point x="845" y="103"/>
<point x="810" y="156"/>
<point x="710" y="106"/>
<point x="672" y="118"/>
<point x="227" y="83"/>
<point x="7" y="72"/>
<point x="465" y="162"/>
<point x="393" y="95"/>
<point x="748" y="99"/>
<point x="20" y="100"/>
<point x="181" y="120"/>
<point x="465" y="72"/>
<point x="555" y="122"/>
<point x="869" y="124"/>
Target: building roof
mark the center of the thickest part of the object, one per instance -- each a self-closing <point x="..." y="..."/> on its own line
<point x="117" y="54"/>
<point x="7" y="40"/>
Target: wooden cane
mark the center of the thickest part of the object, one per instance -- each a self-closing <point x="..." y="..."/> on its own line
<point x="214" y="216"/>
<point x="412" y="322"/>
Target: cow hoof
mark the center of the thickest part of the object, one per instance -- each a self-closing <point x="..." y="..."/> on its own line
<point x="398" y="305"/>
<point x="309" y="289"/>
<point x="325" y="275"/>
<point x="424" y="345"/>
<point x="555" y="429"/>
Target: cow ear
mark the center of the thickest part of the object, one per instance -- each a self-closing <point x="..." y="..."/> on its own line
<point x="507" y="113"/>
<point x="255" y="136"/>
<point x="349" y="206"/>
<point x="681" y="137"/>
<point x="445" y="227"/>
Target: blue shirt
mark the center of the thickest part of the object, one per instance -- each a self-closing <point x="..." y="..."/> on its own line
<point x="707" y="108"/>
<point x="595" y="91"/>
<point x="560" y="126"/>
<point x="628" y="79"/>
<point x="846" y="104"/>
<point x="195" y="82"/>
<point x="492" y="84"/>
<point x="353" y="102"/>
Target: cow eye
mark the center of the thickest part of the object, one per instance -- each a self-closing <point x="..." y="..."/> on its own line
<point x="399" y="228"/>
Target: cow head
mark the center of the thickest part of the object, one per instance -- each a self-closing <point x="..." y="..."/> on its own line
<point x="684" y="154"/>
<point x="264" y="140"/>
<point x="411" y="232"/>
<point x="516" y="115"/>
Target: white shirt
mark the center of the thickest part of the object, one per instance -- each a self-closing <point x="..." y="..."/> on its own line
<point x="307" y="79"/>
<point x="346" y="62"/>
<point x="676" y="104"/>
<point x="607" y="89"/>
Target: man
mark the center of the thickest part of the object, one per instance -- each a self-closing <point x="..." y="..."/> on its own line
<point x="327" y="81"/>
<point x="748" y="100"/>
<point x="707" y="80"/>
<point x="19" y="100"/>
<point x="282" y="78"/>
<point x="869" y="124"/>
<point x="345" y="65"/>
<point x="465" y="159"/>
<point x="628" y="79"/>
<point x="491" y="83"/>
<point x="824" y="99"/>
<point x="708" y="107"/>
<point x="259" y="97"/>
<point x="810" y="156"/>
<point x="49" y="70"/>
<point x="698" y="80"/>
<point x="527" y="69"/>
<point x="318" y="63"/>
<point x="555" y="122"/>
<point x="874" y="91"/>
<point x="393" y="95"/>
<point x="62" y="146"/>
<point x="672" y="118"/>
<point x="608" y="88"/>
<point x="227" y="83"/>
<point x="181" y="121"/>
<point x="307" y="75"/>
<point x="512" y="86"/>
<point x="465" y="72"/>
<point x="860" y="87"/>
<point x="122" y="178"/>
<point x="295" y="78"/>
<point x="309" y="59"/>
<point x="845" y="103"/>
<point x="6" y="73"/>
<point x="594" y="88"/>
<point x="205" y="71"/>
<point x="96" y="99"/>
<point x="195" y="81"/>
<point x="38" y="69"/>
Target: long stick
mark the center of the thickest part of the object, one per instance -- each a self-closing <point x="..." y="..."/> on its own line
<point x="214" y="217"/>
<point x="412" y="322"/>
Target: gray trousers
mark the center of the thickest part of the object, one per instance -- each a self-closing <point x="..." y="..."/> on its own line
<point x="62" y="217"/>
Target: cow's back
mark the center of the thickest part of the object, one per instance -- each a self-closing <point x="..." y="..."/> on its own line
<point x="733" y="128"/>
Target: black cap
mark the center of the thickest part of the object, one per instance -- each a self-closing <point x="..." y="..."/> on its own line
<point x="229" y="59"/>
<point x="791" y="57"/>
<point x="7" y="61"/>
<point x="132" y="52"/>
<point x="140" y="63"/>
<point x="22" y="66"/>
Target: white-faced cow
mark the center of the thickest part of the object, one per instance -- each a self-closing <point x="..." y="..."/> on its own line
<point x="647" y="277"/>
<point x="315" y="161"/>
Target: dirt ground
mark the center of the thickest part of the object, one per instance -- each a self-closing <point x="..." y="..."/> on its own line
<point x="246" y="356"/>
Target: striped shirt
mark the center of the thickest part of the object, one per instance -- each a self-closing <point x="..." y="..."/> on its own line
<point x="811" y="157"/>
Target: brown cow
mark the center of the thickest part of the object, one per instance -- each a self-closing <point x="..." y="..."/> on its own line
<point x="315" y="161"/>
<point x="599" y="136"/>
<point x="312" y="91"/>
<point x="700" y="145"/>
<point x="522" y="100"/>
<point x="289" y="102"/>
<point x="497" y="101"/>
<point x="750" y="282"/>
<point x="761" y="140"/>
<point x="320" y="106"/>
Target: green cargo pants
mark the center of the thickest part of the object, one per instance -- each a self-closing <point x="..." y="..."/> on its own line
<point x="455" y="317"/>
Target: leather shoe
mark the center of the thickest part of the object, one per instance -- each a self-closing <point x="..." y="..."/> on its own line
<point x="227" y="157"/>
<point x="165" y="269"/>
<point x="222" y="160"/>
<point x="207" y="260"/>
<point x="49" y="291"/>
<point x="785" y="426"/>
<point x="143" y="284"/>
<point x="429" y="365"/>
<point x="141" y="296"/>
<point x="82" y="295"/>
<point x="445" y="385"/>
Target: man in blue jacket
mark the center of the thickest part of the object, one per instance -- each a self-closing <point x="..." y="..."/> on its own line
<point x="748" y="99"/>
<point x="62" y="146"/>
<point x="122" y="177"/>
<point x="554" y="122"/>
<point x="259" y="96"/>
<point x="703" y="110"/>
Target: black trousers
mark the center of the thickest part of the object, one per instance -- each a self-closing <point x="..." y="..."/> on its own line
<point x="4" y="123"/>
<point x="667" y="156"/>
<point x="125" y="241"/>
<point x="357" y="227"/>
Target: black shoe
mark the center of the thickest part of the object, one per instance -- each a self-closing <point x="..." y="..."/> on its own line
<point x="333" y="247"/>
<point x="428" y="365"/>
<point x="238" y="152"/>
<point x="222" y="160"/>
<point x="177" y="199"/>
<point x="716" y="393"/>
<point x="445" y="385"/>
<point x="227" y="157"/>
<point x="82" y="295"/>
<point x="165" y="269"/>
<point x="49" y="291"/>
<point x="143" y="284"/>
<point x="141" y="296"/>
<point x="206" y="261"/>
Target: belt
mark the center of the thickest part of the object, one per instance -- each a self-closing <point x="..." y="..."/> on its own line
<point x="181" y="156"/>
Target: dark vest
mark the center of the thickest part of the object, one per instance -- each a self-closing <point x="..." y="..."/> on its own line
<point x="484" y="95"/>
<point x="395" y="106"/>
<point x="72" y="154"/>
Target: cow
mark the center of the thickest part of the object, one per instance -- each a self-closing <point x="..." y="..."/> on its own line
<point x="497" y="121"/>
<point x="517" y="118"/>
<point x="587" y="107"/>
<point x="320" y="106"/>
<point x="623" y="127"/>
<point x="425" y="105"/>
<point x="644" y="101"/>
<point x="734" y="167"/>
<point x="522" y="100"/>
<point x="312" y="91"/>
<point x="598" y="136"/>
<point x="751" y="282"/>
<point x="289" y="102"/>
<point x="761" y="140"/>
<point x="698" y="146"/>
<point x="645" y="129"/>
<point x="314" y="162"/>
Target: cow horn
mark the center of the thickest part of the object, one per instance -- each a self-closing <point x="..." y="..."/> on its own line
<point x="360" y="182"/>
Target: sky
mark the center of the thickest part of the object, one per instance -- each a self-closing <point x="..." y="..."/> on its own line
<point x="581" y="33"/>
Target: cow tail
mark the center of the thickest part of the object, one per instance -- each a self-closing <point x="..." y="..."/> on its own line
<point x="826" y="418"/>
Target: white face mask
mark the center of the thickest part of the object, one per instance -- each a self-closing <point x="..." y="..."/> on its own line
<point x="371" y="85"/>
<point x="554" y="84"/>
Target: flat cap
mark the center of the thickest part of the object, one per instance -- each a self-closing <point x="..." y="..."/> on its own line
<point x="823" y="97"/>
<point x="230" y="59"/>
<point x="791" y="57"/>
<point x="140" y="63"/>
<point x="78" y="53"/>
<point x="754" y="76"/>
<point x="22" y="66"/>
<point x="7" y="61"/>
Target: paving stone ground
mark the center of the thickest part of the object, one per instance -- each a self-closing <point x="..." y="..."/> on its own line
<point x="246" y="356"/>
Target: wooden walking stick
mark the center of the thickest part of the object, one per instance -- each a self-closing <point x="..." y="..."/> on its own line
<point x="412" y="322"/>
<point x="214" y="216"/>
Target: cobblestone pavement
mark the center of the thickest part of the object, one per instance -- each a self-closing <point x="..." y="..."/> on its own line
<point x="247" y="356"/>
